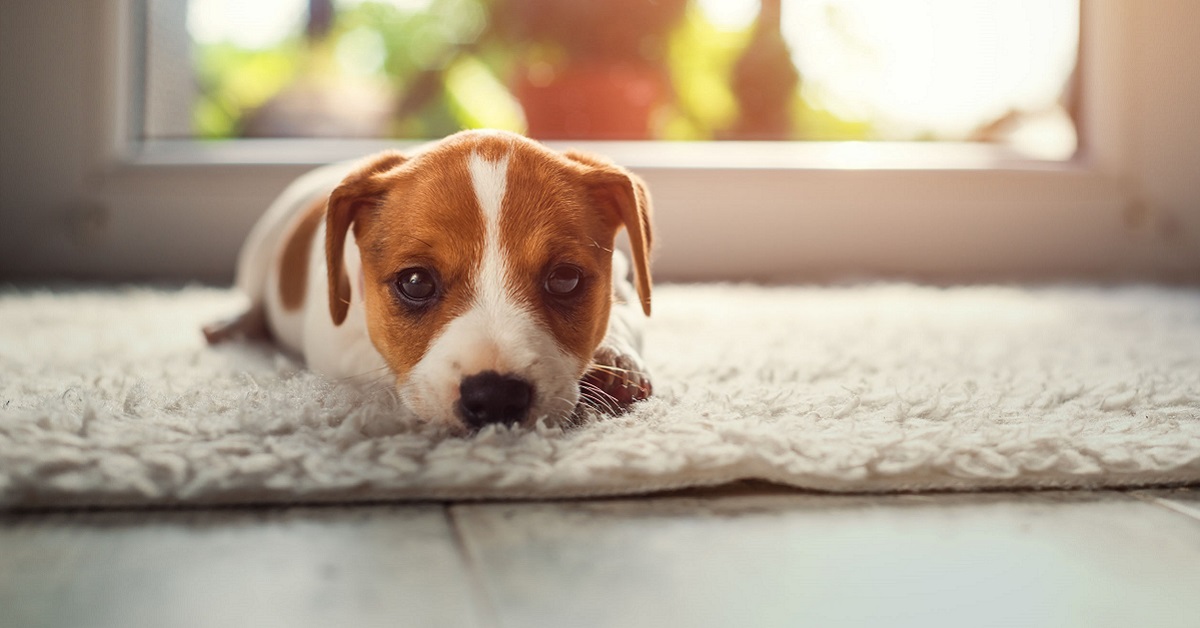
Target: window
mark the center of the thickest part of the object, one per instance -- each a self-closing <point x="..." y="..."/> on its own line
<point x="98" y="181"/>
<point x="833" y="70"/>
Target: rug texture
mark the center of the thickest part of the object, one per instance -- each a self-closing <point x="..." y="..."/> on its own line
<point x="111" y="397"/>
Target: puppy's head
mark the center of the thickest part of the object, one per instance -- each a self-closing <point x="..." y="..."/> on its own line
<point x="487" y="271"/>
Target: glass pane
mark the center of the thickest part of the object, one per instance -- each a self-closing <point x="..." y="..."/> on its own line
<point x="928" y="70"/>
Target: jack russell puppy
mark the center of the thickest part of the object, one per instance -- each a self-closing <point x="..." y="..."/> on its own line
<point x="478" y="272"/>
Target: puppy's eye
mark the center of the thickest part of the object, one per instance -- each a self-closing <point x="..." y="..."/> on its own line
<point x="415" y="284"/>
<point x="563" y="280"/>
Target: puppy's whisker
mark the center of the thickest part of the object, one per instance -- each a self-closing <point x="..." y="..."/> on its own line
<point x="588" y="387"/>
<point x="380" y="378"/>
<point x="599" y="246"/>
<point x="564" y="417"/>
<point x="383" y="385"/>
<point x="614" y="369"/>
<point x="377" y="391"/>
<point x="603" y="407"/>
<point x="365" y="373"/>
<point x="598" y="398"/>
<point x="606" y="400"/>
<point x="389" y="391"/>
<point x="379" y="384"/>
<point x="569" y="417"/>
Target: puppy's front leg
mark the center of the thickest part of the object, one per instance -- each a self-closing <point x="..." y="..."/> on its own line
<point x="617" y="376"/>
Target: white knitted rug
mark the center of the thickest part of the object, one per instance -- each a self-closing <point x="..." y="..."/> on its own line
<point x="112" y="397"/>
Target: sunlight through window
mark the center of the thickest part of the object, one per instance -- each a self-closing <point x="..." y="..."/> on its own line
<point x="940" y="69"/>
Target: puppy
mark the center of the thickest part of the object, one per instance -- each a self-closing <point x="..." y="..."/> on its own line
<point x="479" y="273"/>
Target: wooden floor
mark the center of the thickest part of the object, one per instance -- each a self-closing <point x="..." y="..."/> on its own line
<point x="747" y="556"/>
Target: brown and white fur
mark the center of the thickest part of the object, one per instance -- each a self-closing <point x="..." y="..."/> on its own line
<point x="509" y="247"/>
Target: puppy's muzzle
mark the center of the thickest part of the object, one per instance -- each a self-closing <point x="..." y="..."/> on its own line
<point x="490" y="397"/>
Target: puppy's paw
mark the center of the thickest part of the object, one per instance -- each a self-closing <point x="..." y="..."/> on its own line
<point x="614" y="381"/>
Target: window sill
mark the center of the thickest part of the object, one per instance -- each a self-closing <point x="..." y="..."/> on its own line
<point x="728" y="211"/>
<point x="632" y="154"/>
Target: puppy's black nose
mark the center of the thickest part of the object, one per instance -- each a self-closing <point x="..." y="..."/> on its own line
<point x="490" y="397"/>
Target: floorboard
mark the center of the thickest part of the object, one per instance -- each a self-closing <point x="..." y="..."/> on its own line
<point x="782" y="559"/>
<point x="332" y="566"/>
<point x="1185" y="501"/>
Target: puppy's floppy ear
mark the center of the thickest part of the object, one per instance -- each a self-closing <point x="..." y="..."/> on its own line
<point x="625" y="197"/>
<point x="361" y="188"/>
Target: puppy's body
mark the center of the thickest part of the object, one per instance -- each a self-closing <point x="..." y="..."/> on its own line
<point x="337" y="351"/>
<point x="478" y="272"/>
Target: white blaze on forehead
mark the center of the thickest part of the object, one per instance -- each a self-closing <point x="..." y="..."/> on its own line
<point x="490" y="179"/>
<point x="499" y="320"/>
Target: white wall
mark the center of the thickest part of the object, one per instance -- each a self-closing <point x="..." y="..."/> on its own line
<point x="73" y="204"/>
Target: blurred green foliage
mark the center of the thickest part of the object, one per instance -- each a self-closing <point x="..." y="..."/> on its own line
<point x="234" y="81"/>
<point x="701" y="58"/>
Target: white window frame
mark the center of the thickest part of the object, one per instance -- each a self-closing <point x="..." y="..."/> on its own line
<point x="119" y="208"/>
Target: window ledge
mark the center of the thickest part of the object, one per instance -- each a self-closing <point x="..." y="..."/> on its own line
<point x="633" y="154"/>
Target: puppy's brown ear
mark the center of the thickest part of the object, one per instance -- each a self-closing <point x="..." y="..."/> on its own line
<point x="625" y="196"/>
<point x="361" y="188"/>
